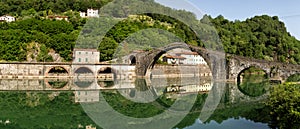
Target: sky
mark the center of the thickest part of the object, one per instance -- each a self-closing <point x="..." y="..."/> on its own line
<point x="287" y="11"/>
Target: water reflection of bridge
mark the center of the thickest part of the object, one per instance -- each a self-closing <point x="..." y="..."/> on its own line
<point x="132" y="88"/>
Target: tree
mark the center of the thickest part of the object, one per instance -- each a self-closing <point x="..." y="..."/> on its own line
<point x="284" y="104"/>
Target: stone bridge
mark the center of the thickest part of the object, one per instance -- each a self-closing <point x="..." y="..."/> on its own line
<point x="274" y="70"/>
<point x="223" y="66"/>
<point x="20" y="70"/>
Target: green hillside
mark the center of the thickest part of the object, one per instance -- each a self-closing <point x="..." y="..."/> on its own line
<point x="262" y="37"/>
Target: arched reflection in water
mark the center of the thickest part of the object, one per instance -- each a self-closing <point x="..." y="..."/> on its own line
<point x="107" y="73"/>
<point x="83" y="72"/>
<point x="57" y="83"/>
<point x="84" y="82"/>
<point x="253" y="82"/>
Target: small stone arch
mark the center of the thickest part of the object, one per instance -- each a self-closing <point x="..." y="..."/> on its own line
<point x="132" y="59"/>
<point x="57" y="71"/>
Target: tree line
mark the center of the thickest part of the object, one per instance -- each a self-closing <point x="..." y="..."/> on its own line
<point x="262" y="37"/>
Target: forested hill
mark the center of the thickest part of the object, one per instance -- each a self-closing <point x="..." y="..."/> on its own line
<point x="261" y="37"/>
<point x="22" y="7"/>
<point x="33" y="35"/>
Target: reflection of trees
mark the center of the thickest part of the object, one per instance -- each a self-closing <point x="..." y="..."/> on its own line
<point x="130" y="108"/>
<point x="58" y="84"/>
<point x="254" y="111"/>
<point x="195" y="112"/>
<point x="42" y="109"/>
<point x="253" y="82"/>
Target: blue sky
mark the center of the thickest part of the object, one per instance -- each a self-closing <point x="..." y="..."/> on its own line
<point x="287" y="11"/>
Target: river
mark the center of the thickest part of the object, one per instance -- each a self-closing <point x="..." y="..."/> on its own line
<point x="137" y="103"/>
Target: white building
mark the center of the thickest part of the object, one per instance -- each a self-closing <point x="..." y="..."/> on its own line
<point x="192" y="58"/>
<point x="187" y="58"/>
<point x="90" y="13"/>
<point x="7" y="18"/>
<point x="93" y="13"/>
<point x="174" y="59"/>
<point x="82" y="14"/>
<point x="88" y="56"/>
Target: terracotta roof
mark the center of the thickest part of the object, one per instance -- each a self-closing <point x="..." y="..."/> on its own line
<point x="187" y="53"/>
<point x="82" y="49"/>
<point x="175" y="57"/>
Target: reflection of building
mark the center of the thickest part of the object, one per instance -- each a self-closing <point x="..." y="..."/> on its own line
<point x="188" y="58"/>
<point x="86" y="56"/>
<point x="90" y="13"/>
<point x="7" y="18"/>
<point x="196" y="88"/>
<point x="86" y="96"/>
<point x="206" y="87"/>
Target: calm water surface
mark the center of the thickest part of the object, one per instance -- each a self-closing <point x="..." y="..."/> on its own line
<point x="56" y="103"/>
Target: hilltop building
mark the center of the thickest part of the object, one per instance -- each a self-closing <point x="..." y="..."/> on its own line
<point x="90" y="13"/>
<point x="88" y="56"/>
<point x="7" y="18"/>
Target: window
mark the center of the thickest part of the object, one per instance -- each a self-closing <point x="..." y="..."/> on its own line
<point x="79" y="59"/>
<point x="86" y="52"/>
<point x="86" y="59"/>
<point x="79" y="53"/>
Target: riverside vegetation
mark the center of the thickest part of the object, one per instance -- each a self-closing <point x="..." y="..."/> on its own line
<point x="262" y="37"/>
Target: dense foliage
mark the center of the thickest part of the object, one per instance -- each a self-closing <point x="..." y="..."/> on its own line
<point x="16" y="37"/>
<point x="20" y="7"/>
<point x="261" y="37"/>
<point x="284" y="104"/>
